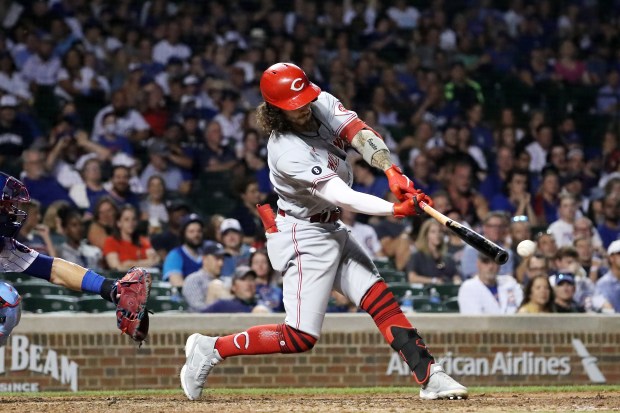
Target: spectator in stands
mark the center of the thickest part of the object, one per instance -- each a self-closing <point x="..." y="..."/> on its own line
<point x="171" y="236"/>
<point x="454" y="244"/>
<point x="562" y="229"/>
<point x="15" y="135"/>
<point x="461" y="89"/>
<point x="246" y="213"/>
<point x="126" y="248"/>
<point x="230" y="119"/>
<point x="214" y="157"/>
<point x="539" y="149"/>
<point x="608" y="100"/>
<point x="153" y="108"/>
<point x="128" y="122"/>
<point x="112" y="140"/>
<point x="568" y="68"/>
<point x="41" y="186"/>
<point x="51" y="219"/>
<point x="11" y="79"/>
<point x="499" y="173"/>
<point x="34" y="234"/>
<point x="120" y="190"/>
<point x="105" y="214"/>
<point x="237" y="252"/>
<point x="481" y="135"/>
<point x="430" y="264"/>
<point x="538" y="296"/>
<point x="78" y="82"/>
<point x="86" y="194"/>
<point x="268" y="281"/>
<point x="471" y="205"/>
<point x="564" y="292"/>
<point x="187" y="258"/>
<point x="589" y="259"/>
<point x="487" y="292"/>
<point x="609" y="229"/>
<point x="364" y="234"/>
<point x="366" y="181"/>
<point x="545" y="244"/>
<point x="421" y="168"/>
<point x="171" y="45"/>
<point x="153" y="207"/>
<point x="243" y="290"/>
<point x="609" y="284"/>
<point x="546" y="200"/>
<point x="75" y="249"/>
<point x="516" y="199"/>
<point x="204" y="286"/>
<point x="532" y="266"/>
<point x="394" y="236"/>
<point x="495" y="228"/>
<point x="159" y="165"/>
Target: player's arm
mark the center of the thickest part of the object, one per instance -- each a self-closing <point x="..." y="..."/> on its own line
<point x="337" y="192"/>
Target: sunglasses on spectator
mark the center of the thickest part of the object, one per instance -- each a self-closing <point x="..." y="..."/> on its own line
<point x="520" y="218"/>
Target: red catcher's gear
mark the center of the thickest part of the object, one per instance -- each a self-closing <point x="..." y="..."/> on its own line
<point x="286" y="86"/>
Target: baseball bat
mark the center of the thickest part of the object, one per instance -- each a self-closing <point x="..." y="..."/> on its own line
<point x="485" y="246"/>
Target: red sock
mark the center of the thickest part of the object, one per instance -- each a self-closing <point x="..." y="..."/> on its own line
<point x="266" y="339"/>
<point x="380" y="303"/>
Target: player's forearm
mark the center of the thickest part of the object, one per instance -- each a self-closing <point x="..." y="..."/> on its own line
<point x="338" y="193"/>
<point x="372" y="149"/>
<point x="67" y="274"/>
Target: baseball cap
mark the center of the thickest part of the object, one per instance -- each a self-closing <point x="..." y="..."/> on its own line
<point x="230" y="224"/>
<point x="8" y="101"/>
<point x="614" y="248"/>
<point x="188" y="219"/>
<point x="213" y="248"/>
<point x="191" y="80"/>
<point x="242" y="272"/>
<point x="564" y="277"/>
<point x="158" y="147"/>
<point x="177" y="205"/>
<point x="82" y="160"/>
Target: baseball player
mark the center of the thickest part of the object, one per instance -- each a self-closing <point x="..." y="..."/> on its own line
<point x="311" y="246"/>
<point x="129" y="294"/>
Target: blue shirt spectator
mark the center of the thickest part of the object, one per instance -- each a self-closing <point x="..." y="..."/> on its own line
<point x="186" y="258"/>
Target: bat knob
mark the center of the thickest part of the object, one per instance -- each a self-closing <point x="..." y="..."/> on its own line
<point x="502" y="257"/>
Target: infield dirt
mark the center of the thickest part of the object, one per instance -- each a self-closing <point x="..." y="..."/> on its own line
<point x="597" y="401"/>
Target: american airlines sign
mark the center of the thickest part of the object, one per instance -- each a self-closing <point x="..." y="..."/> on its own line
<point x="526" y="363"/>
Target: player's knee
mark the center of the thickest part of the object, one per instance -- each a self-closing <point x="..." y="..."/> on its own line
<point x="296" y="341"/>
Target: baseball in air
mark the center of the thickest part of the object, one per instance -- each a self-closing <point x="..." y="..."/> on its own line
<point x="526" y="248"/>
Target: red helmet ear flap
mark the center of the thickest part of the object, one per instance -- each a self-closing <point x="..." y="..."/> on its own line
<point x="287" y="87"/>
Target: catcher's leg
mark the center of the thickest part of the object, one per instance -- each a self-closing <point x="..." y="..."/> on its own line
<point x="380" y="303"/>
<point x="204" y="352"/>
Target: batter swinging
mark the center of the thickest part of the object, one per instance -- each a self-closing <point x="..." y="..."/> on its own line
<point x="312" y="247"/>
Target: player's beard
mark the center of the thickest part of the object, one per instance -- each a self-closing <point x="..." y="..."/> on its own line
<point x="305" y="123"/>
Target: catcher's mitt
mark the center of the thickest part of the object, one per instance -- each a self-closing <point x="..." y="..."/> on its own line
<point x="130" y="295"/>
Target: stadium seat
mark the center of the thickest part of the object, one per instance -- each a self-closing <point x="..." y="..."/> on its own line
<point x="161" y="289"/>
<point x="445" y="290"/>
<point x="165" y="304"/>
<point x="13" y="277"/>
<point x="384" y="265"/>
<point x="423" y="304"/>
<point x="95" y="304"/>
<point x="29" y="288"/>
<point x="49" y="303"/>
<point x="393" y="276"/>
<point x="399" y="290"/>
<point x="451" y="305"/>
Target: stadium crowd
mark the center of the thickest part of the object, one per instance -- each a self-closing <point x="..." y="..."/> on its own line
<point x="132" y="125"/>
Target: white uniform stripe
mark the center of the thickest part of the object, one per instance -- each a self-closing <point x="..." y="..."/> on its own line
<point x="299" y="275"/>
<point x="321" y="179"/>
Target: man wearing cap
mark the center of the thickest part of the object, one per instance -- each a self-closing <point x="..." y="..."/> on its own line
<point x="609" y="284"/>
<point x="243" y="290"/>
<point x="171" y="238"/>
<point x="237" y="253"/>
<point x="160" y="165"/>
<point x="15" y="135"/>
<point x="488" y="292"/>
<point x="128" y="122"/>
<point x="187" y="258"/>
<point x="564" y="294"/>
<point x="204" y="286"/>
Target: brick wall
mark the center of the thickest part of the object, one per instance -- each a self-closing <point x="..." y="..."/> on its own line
<point x="107" y="360"/>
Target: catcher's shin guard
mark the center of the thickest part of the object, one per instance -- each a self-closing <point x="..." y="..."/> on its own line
<point x="412" y="349"/>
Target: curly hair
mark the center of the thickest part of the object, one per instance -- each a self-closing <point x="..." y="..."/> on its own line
<point x="270" y="118"/>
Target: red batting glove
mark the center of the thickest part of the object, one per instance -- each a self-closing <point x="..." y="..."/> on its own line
<point x="411" y="206"/>
<point x="399" y="184"/>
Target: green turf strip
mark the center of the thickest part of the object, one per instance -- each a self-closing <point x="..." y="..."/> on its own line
<point x="318" y="390"/>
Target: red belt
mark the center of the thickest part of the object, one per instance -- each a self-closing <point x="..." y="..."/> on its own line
<point x="322" y="217"/>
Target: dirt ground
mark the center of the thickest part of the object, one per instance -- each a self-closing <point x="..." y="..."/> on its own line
<point x="603" y="401"/>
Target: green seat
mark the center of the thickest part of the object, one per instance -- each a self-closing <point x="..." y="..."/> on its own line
<point x="14" y="277"/>
<point x="393" y="276"/>
<point x="451" y="305"/>
<point x="445" y="290"/>
<point x="161" y="289"/>
<point x="165" y="304"/>
<point x="400" y="289"/>
<point x="383" y="265"/>
<point x="28" y="288"/>
<point x="49" y="303"/>
<point x="95" y="304"/>
<point x="423" y="304"/>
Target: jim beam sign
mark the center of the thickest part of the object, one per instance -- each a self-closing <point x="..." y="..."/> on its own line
<point x="526" y="363"/>
<point x="27" y="356"/>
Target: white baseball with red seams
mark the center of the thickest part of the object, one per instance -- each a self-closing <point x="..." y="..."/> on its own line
<point x="526" y="248"/>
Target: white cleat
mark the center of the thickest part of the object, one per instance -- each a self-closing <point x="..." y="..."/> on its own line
<point x="201" y="358"/>
<point x="442" y="386"/>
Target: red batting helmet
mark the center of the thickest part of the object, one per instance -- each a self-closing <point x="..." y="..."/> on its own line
<point x="287" y="87"/>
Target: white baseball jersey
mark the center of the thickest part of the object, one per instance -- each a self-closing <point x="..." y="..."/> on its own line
<point x="314" y="258"/>
<point x="14" y="256"/>
<point x="298" y="162"/>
